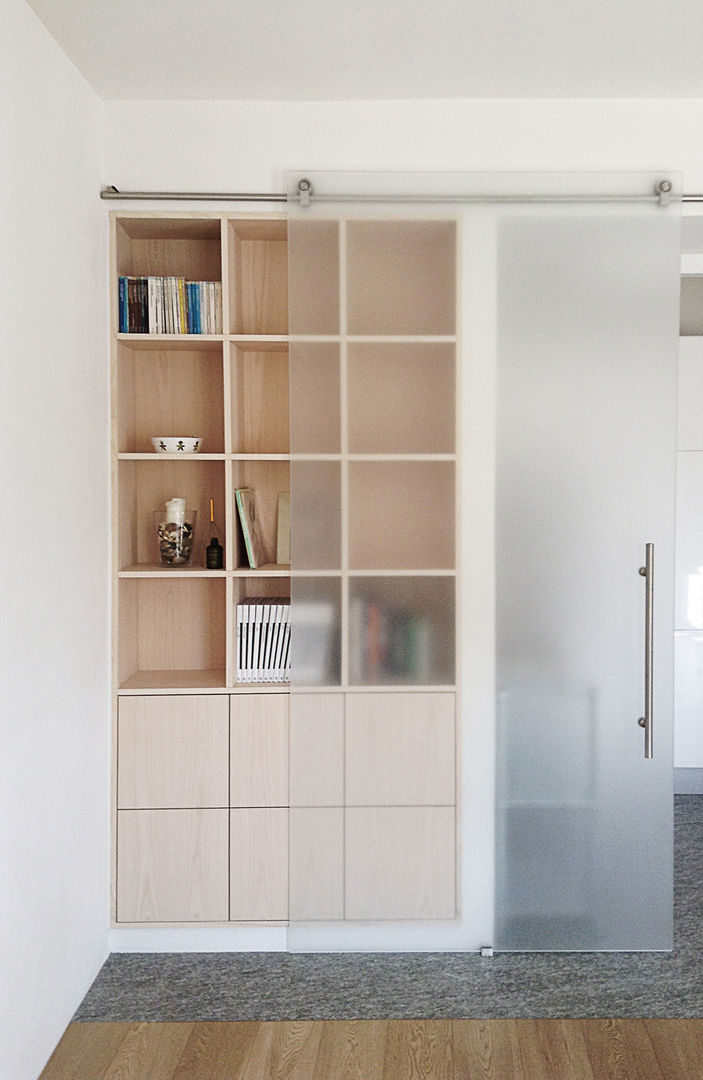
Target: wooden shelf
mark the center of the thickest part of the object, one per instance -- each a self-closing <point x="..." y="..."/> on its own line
<point x="260" y="342"/>
<point x="165" y="342"/>
<point x="178" y="680"/>
<point x="158" y="570"/>
<point x="267" y="570"/>
<point x="169" y="458"/>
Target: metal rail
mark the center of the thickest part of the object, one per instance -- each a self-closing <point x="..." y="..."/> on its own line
<point x="306" y="194"/>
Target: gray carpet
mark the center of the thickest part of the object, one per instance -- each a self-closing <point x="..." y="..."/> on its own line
<point x="280" y="986"/>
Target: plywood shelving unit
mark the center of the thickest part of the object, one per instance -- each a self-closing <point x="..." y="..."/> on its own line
<point x="347" y="399"/>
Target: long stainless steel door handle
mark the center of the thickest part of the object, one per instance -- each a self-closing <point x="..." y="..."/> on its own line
<point x="647" y="721"/>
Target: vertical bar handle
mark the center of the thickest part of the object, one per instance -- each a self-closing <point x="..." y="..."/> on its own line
<point x="647" y="721"/>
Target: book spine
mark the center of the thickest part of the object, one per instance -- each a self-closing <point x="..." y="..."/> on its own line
<point x="152" y="284"/>
<point x="286" y="647"/>
<point x="143" y="305"/>
<point x="122" y="305"/>
<point x="211" y="307"/>
<point x="270" y="622"/>
<point x="248" y="638"/>
<point x="256" y="642"/>
<point x="160" y="317"/>
<point x="240" y="643"/>
<point x="198" y="323"/>
<point x="182" y="311"/>
<point x="281" y="619"/>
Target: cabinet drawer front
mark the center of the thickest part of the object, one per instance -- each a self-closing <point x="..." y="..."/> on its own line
<point x="173" y="751"/>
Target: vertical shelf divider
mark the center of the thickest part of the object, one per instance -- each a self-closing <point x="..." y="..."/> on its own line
<point x="344" y="463"/>
<point x="227" y="510"/>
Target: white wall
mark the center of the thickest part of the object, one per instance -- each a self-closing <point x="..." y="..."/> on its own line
<point x="246" y="146"/>
<point x="249" y="146"/>
<point x="54" y="836"/>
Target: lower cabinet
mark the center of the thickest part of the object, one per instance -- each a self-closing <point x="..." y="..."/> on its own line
<point x="202" y="815"/>
<point x="373" y="806"/>
<point x="205" y="832"/>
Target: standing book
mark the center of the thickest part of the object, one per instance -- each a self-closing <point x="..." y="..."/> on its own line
<point x="246" y="506"/>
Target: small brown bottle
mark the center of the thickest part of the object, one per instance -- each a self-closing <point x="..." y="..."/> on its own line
<point x="214" y="556"/>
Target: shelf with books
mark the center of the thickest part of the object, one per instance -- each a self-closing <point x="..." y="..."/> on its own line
<point x="258" y="623"/>
<point x="401" y="630"/>
<point x="260" y="488"/>
<point x="174" y="251"/>
<point x="165" y="305"/>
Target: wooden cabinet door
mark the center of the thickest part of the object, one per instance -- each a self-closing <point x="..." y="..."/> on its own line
<point x="399" y="862"/>
<point x="400" y="806"/>
<point x="172" y="751"/>
<point x="399" y="749"/>
<point x="259" y="864"/>
<point x="172" y="866"/>
<point x="259" y="750"/>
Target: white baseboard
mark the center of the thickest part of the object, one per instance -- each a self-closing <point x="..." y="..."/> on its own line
<point x="199" y="939"/>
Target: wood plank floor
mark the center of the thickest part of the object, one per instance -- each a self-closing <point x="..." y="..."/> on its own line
<point x="382" y="1050"/>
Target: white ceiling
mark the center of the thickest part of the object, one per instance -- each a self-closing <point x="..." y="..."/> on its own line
<point x="376" y="49"/>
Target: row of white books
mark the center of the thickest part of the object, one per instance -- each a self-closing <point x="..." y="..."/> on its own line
<point x="263" y="639"/>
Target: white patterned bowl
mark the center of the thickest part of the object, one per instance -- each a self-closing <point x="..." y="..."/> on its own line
<point x="177" y="444"/>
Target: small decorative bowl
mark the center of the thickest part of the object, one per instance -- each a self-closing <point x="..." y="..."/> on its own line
<point x="177" y="444"/>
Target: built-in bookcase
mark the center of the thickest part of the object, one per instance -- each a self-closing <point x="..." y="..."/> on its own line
<point x="232" y="391"/>
<point x="335" y="380"/>
<point x="201" y="789"/>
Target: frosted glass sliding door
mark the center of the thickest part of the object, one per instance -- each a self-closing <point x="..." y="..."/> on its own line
<point x="586" y="353"/>
<point x="482" y="428"/>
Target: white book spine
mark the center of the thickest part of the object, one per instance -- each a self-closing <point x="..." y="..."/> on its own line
<point x="152" y="288"/>
<point x="265" y="642"/>
<point x="249" y="662"/>
<point x="255" y="665"/>
<point x="240" y="643"/>
<point x="281" y="614"/>
<point x="286" y="648"/>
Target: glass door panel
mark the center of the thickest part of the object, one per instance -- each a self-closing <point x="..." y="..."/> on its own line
<point x="586" y="355"/>
<point x="549" y="327"/>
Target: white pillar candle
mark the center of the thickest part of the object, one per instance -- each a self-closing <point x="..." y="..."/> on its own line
<point x="176" y="511"/>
